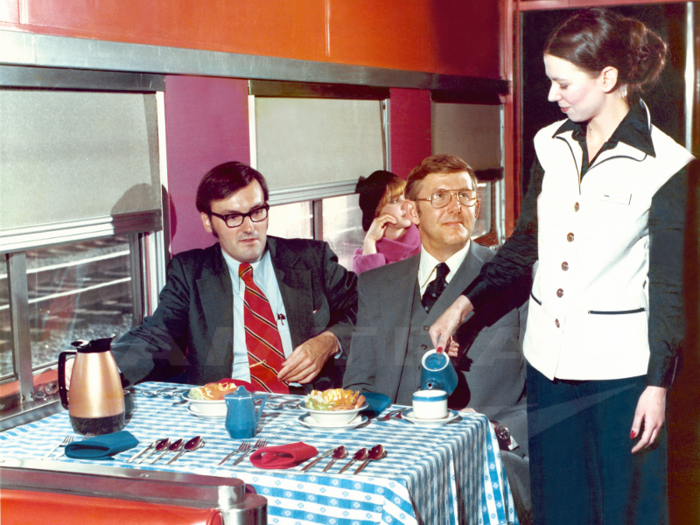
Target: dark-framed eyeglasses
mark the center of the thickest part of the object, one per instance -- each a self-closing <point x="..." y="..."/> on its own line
<point x="442" y="198"/>
<point x="234" y="220"/>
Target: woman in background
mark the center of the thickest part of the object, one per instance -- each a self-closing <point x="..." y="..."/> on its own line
<point x="604" y="217"/>
<point x="391" y="236"/>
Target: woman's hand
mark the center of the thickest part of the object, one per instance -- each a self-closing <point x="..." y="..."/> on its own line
<point x="376" y="232"/>
<point x="448" y="322"/>
<point x="651" y="408"/>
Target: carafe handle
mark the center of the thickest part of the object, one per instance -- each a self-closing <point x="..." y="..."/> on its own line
<point x="262" y="405"/>
<point x="62" y="390"/>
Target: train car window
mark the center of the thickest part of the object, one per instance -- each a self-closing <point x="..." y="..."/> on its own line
<point x="474" y="132"/>
<point x="342" y="226"/>
<point x="78" y="291"/>
<point x="313" y="142"/>
<point x="321" y="145"/>
<point x="293" y="220"/>
<point x="83" y="253"/>
<point x="76" y="156"/>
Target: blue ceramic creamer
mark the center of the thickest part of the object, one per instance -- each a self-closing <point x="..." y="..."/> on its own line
<point x="437" y="372"/>
<point x="241" y="416"/>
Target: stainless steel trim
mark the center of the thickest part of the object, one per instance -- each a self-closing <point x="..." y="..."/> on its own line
<point x="171" y="488"/>
<point x="165" y="488"/>
<point x="18" y="239"/>
<point x="19" y="308"/>
<point x="53" y="78"/>
<point x="313" y="192"/>
<point x="28" y="49"/>
<point x="689" y="73"/>
<point x="285" y="89"/>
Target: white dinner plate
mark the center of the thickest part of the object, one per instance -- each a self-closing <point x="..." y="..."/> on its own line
<point x="193" y="410"/>
<point x="307" y="421"/>
<point x="408" y="416"/>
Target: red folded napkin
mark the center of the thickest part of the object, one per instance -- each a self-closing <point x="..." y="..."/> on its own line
<point x="283" y="456"/>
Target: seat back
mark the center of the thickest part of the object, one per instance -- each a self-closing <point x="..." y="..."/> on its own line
<point x="60" y="492"/>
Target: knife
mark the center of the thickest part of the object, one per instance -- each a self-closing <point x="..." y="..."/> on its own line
<point x="319" y="458"/>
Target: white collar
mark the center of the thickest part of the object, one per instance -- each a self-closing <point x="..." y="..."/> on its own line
<point x="426" y="268"/>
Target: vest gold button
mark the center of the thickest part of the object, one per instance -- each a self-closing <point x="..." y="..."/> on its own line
<point x="426" y="328"/>
<point x="560" y="293"/>
<point x="570" y="237"/>
<point x="576" y="207"/>
<point x="556" y="322"/>
<point x="565" y="266"/>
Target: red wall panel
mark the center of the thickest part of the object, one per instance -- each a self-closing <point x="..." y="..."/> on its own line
<point x="439" y="36"/>
<point x="206" y="123"/>
<point x="410" y="129"/>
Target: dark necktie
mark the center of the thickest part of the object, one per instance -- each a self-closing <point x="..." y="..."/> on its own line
<point x="436" y="287"/>
<point x="262" y="338"/>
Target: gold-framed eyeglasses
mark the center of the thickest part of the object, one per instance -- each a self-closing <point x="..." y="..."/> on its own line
<point x="234" y="220"/>
<point x="442" y="198"/>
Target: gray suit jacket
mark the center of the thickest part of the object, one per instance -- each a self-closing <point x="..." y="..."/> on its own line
<point x="191" y="331"/>
<point x="492" y="366"/>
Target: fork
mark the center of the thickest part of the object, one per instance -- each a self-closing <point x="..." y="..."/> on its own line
<point x="258" y="444"/>
<point x="66" y="440"/>
<point x="391" y="414"/>
<point x="243" y="447"/>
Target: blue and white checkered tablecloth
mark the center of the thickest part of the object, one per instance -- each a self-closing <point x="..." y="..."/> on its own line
<point x="447" y="475"/>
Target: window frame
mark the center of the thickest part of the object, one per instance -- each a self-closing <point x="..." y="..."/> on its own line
<point x="148" y="243"/>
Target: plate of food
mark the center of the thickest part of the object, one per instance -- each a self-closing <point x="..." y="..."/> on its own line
<point x="309" y="422"/>
<point x="335" y="407"/>
<point x="208" y="400"/>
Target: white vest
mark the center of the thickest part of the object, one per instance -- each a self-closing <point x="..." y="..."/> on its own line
<point x="589" y="308"/>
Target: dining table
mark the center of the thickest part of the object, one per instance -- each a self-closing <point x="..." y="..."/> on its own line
<point x="431" y="475"/>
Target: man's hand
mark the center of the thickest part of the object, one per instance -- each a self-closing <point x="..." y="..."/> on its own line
<point x="308" y="358"/>
<point x="651" y="408"/>
<point x="448" y="322"/>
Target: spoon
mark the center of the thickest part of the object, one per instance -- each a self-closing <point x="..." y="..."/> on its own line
<point x="375" y="453"/>
<point x="149" y="447"/>
<point x="175" y="446"/>
<point x="360" y="455"/>
<point x="161" y="445"/>
<point x="193" y="444"/>
<point x="339" y="453"/>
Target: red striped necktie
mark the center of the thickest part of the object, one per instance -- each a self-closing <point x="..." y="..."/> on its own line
<point x="265" y="353"/>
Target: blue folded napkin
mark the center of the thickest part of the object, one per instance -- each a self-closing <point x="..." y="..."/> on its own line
<point x="377" y="402"/>
<point x="101" y="446"/>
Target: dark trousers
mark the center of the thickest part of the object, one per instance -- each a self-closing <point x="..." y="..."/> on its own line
<point x="581" y="467"/>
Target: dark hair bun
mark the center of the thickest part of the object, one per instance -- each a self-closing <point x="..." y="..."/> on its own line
<point x="596" y="38"/>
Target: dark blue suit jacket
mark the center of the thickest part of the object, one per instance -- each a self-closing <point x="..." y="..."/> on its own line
<point x="191" y="331"/>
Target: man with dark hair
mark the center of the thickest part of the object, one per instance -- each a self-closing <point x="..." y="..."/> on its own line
<point x="260" y="309"/>
<point x="399" y="301"/>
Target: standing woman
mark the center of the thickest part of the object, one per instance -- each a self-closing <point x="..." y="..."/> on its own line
<point x="604" y="217"/>
<point x="391" y="236"/>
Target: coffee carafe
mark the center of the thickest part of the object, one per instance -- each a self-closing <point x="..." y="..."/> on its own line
<point x="94" y="399"/>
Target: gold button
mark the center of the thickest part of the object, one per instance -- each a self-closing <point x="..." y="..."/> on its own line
<point x="570" y="237"/>
<point x="576" y="207"/>
<point x="426" y="328"/>
<point x="560" y="293"/>
<point x="556" y="322"/>
<point x="565" y="266"/>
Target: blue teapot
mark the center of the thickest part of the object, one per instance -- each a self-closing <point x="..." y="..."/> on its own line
<point x="437" y="372"/>
<point x="241" y="416"/>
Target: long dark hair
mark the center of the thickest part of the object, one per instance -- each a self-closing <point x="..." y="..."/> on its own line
<point x="596" y="38"/>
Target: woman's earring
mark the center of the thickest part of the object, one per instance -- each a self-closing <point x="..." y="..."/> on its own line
<point x="623" y="91"/>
